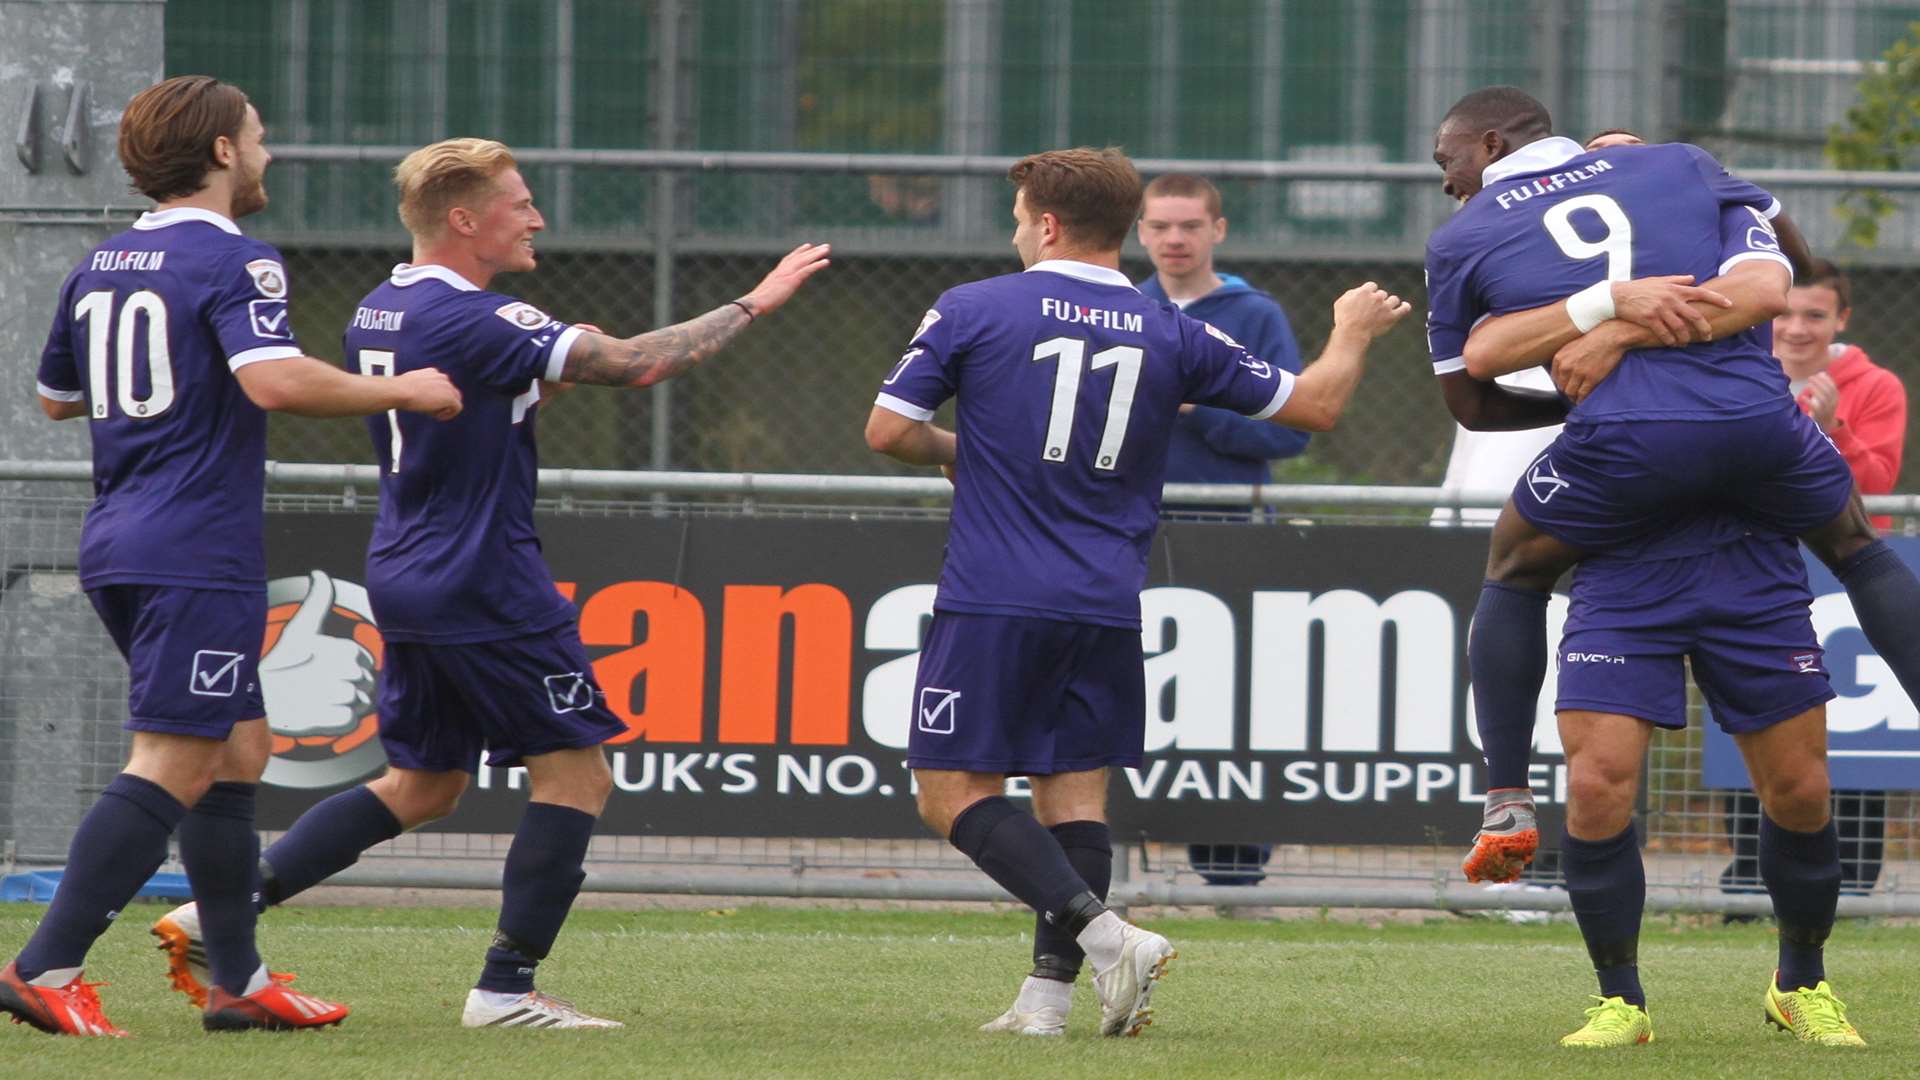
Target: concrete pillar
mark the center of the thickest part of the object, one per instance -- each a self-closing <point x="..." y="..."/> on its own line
<point x="66" y="71"/>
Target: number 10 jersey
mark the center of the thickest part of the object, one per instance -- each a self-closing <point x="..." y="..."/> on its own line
<point x="1069" y="381"/>
<point x="149" y="329"/>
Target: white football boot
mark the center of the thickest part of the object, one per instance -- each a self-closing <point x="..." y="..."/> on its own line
<point x="530" y="1010"/>
<point x="1126" y="984"/>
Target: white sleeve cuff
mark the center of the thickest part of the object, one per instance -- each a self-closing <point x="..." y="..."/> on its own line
<point x="1449" y="366"/>
<point x="904" y="407"/>
<point x="1748" y="256"/>
<point x="1773" y="211"/>
<point x="264" y="352"/>
<point x="51" y="394"/>
<point x="1280" y="396"/>
<point x="557" y="358"/>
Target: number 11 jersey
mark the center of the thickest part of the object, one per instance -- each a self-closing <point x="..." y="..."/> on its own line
<point x="1068" y="382"/>
<point x="149" y="329"/>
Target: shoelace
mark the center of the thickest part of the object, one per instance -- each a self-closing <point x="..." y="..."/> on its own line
<point x="1825" y="1014"/>
<point x="86" y="1002"/>
<point x="1610" y="1015"/>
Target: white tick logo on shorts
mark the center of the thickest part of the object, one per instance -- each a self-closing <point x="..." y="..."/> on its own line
<point x="215" y="673"/>
<point x="569" y="691"/>
<point x="937" y="709"/>
<point x="1543" y="480"/>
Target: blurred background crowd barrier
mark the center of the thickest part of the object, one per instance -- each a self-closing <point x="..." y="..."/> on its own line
<point x="677" y="148"/>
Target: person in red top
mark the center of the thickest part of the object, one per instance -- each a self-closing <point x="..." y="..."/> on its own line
<point x="1863" y="408"/>
<point x="1860" y="405"/>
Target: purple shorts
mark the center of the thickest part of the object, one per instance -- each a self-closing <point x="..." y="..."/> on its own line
<point x="1685" y="487"/>
<point x="441" y="705"/>
<point x="192" y="655"/>
<point x="1739" y="615"/>
<point x="1027" y="697"/>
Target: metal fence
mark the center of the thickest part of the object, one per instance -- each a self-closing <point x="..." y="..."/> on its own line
<point x="62" y="700"/>
<point x="676" y="148"/>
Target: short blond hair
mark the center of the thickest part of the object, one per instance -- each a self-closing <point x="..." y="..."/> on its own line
<point x="453" y="172"/>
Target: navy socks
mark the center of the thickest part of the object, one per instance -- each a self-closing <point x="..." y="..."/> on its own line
<point x="327" y="839"/>
<point x="1018" y="852"/>
<point x="1802" y="873"/>
<point x="118" y="846"/>
<point x="1089" y="848"/>
<point x="1608" y="885"/>
<point x="1886" y="598"/>
<point x="1507" y="654"/>
<point x="543" y="875"/>
<point x="221" y="851"/>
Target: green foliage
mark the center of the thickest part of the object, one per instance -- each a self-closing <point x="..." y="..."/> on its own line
<point x="1881" y="133"/>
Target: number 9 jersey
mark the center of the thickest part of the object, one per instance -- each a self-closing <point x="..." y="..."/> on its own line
<point x="1069" y="382"/>
<point x="150" y="327"/>
<point x="1554" y="219"/>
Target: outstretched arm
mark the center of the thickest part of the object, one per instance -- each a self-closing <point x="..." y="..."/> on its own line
<point x="1322" y="391"/>
<point x="305" y="386"/>
<point x="661" y="354"/>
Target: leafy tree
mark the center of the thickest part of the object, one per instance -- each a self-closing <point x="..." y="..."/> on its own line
<point x="1881" y="133"/>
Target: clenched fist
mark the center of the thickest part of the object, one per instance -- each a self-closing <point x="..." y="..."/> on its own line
<point x="1368" y="309"/>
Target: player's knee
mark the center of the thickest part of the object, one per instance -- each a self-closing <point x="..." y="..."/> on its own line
<point x="1600" y="792"/>
<point x="1800" y="801"/>
<point x="416" y="798"/>
<point x="934" y="811"/>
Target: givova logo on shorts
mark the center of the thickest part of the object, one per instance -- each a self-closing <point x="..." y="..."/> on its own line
<point x="318" y="666"/>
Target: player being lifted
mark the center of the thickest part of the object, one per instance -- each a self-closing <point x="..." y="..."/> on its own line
<point x="172" y="338"/>
<point x="1068" y="382"/>
<point x="482" y="652"/>
<point x="1678" y="443"/>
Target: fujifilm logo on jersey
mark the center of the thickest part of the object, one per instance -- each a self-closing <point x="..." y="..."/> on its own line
<point x="1542" y="185"/>
<point x="1105" y="318"/>
<point x="1594" y="658"/>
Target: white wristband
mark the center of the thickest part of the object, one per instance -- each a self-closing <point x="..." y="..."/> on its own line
<point x="1591" y="306"/>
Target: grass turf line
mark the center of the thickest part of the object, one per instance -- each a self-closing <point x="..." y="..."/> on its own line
<point x="762" y="992"/>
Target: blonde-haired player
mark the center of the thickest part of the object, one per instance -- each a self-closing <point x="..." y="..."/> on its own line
<point x="482" y="652"/>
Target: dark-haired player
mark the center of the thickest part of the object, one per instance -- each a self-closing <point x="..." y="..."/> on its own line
<point x="172" y="340"/>
<point x="1069" y="382"/>
<point x="1680" y="441"/>
<point x="483" y="654"/>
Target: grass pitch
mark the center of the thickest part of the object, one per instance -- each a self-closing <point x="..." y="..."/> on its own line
<point x="762" y="993"/>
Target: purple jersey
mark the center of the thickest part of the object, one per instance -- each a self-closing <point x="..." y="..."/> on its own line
<point x="454" y="558"/>
<point x="150" y="328"/>
<point x="1069" y="381"/>
<point x="1554" y="219"/>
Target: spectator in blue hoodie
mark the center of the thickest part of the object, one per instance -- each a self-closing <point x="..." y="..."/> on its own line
<point x="1180" y="224"/>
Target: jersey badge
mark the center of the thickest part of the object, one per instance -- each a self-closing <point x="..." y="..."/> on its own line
<point x="524" y="316"/>
<point x="268" y="278"/>
<point x="926" y="323"/>
<point x="1222" y="335"/>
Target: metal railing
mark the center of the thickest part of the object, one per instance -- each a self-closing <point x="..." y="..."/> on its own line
<point x="63" y="694"/>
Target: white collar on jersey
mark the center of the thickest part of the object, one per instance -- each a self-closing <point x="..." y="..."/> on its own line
<point x="160" y="219"/>
<point x="409" y="274"/>
<point x="1538" y="156"/>
<point x="1073" y="268"/>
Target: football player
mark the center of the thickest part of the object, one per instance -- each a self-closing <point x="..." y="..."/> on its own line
<point x="1069" y="383"/>
<point x="483" y="653"/>
<point x="173" y="340"/>
<point x="1680" y="440"/>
